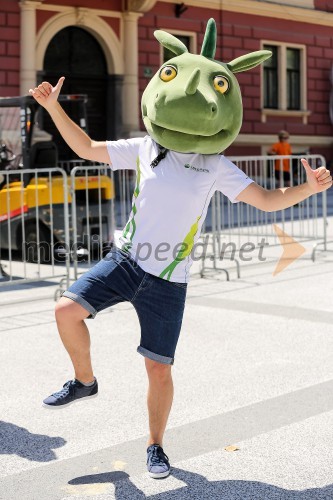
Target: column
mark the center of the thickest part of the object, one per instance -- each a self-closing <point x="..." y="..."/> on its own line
<point x="131" y="82"/>
<point x="28" y="45"/>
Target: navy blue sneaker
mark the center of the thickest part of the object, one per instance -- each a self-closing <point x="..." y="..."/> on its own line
<point x="71" y="391"/>
<point x="157" y="462"/>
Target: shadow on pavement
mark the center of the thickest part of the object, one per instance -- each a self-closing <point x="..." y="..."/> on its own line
<point x="15" y="440"/>
<point x="198" y="487"/>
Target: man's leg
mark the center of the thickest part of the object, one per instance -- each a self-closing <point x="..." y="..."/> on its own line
<point x="75" y="337"/>
<point x="159" y="399"/>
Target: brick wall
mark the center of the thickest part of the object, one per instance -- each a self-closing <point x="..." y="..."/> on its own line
<point x="319" y="44"/>
<point x="237" y="34"/>
<point x="324" y="5"/>
<point x="9" y="48"/>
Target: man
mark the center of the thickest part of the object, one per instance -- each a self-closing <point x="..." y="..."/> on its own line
<point x="282" y="166"/>
<point x="192" y="110"/>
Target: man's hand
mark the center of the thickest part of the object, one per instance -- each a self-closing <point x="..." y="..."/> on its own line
<point x="278" y="199"/>
<point x="318" y="180"/>
<point x="75" y="137"/>
<point x="46" y="95"/>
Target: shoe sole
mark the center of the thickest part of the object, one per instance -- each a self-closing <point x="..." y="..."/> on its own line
<point x="160" y="475"/>
<point x="59" y="407"/>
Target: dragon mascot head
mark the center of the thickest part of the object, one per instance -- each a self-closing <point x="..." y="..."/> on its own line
<point x="193" y="104"/>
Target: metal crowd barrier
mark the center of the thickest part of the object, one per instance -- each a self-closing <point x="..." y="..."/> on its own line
<point x="72" y="213"/>
<point x="93" y="214"/>
<point x="229" y="225"/>
<point x="100" y="204"/>
<point x="54" y="223"/>
<point x="33" y="216"/>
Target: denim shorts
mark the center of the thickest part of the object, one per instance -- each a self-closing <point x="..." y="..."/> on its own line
<point x="159" y="303"/>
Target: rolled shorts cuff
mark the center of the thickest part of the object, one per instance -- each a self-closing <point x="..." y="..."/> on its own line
<point x="82" y="302"/>
<point x="155" y="357"/>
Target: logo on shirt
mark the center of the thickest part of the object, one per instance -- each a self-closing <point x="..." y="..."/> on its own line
<point x="192" y="167"/>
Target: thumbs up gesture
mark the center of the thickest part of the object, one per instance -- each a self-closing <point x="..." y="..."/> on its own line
<point x="318" y="180"/>
<point x="46" y="95"/>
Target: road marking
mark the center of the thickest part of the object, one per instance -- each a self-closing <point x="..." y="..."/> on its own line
<point x="216" y="432"/>
<point x="292" y="312"/>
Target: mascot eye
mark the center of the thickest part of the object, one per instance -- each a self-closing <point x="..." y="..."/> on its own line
<point x="168" y="73"/>
<point x="221" y="84"/>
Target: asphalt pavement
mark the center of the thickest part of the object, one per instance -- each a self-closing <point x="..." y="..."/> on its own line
<point x="253" y="369"/>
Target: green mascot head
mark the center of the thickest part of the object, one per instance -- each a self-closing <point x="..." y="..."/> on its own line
<point x="193" y="104"/>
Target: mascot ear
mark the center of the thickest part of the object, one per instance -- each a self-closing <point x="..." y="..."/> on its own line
<point x="249" y="61"/>
<point x="170" y="42"/>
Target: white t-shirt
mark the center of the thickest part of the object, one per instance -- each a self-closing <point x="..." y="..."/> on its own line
<point x="170" y="202"/>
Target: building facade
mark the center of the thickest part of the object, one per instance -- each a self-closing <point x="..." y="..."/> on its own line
<point x="106" y="48"/>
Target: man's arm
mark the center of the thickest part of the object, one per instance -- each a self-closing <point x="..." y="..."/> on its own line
<point x="75" y="137"/>
<point x="277" y="199"/>
<point x="271" y="151"/>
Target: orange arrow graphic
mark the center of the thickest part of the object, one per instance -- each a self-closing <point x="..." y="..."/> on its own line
<point x="291" y="250"/>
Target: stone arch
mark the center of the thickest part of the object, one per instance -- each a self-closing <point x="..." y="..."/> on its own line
<point x="84" y="19"/>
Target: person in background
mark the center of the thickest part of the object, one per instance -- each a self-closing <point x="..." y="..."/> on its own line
<point x="282" y="166"/>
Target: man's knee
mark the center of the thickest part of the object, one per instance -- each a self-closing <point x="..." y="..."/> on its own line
<point x="67" y="309"/>
<point x="158" y="371"/>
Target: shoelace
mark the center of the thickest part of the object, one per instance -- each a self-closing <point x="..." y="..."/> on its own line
<point x="65" y="390"/>
<point x="158" y="455"/>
